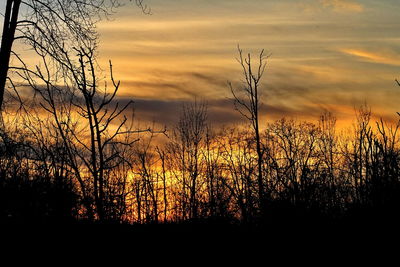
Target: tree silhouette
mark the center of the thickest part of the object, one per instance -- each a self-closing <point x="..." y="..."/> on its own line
<point x="248" y="105"/>
<point x="51" y="28"/>
<point x="74" y="155"/>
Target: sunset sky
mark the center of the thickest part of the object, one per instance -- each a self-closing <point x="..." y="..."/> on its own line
<point x="325" y="55"/>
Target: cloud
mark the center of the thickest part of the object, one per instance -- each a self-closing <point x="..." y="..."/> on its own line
<point x="387" y="58"/>
<point x="167" y="89"/>
<point x="343" y="5"/>
<point x="177" y="84"/>
<point x="167" y="112"/>
<point x="222" y="111"/>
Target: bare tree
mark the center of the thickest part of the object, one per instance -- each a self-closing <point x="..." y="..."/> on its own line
<point x="329" y="154"/>
<point x="162" y="156"/>
<point x="217" y="195"/>
<point x="240" y="164"/>
<point x="147" y="180"/>
<point x="247" y="103"/>
<point x="51" y="27"/>
<point x="186" y="145"/>
<point x="90" y="123"/>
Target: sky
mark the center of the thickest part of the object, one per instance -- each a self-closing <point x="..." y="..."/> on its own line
<point x="329" y="55"/>
<point x="325" y="55"/>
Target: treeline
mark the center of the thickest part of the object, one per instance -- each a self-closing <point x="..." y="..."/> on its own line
<point x="309" y="171"/>
<point x="70" y="151"/>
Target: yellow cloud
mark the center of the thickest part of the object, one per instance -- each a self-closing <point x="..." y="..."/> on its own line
<point x="386" y="58"/>
<point x="343" y="5"/>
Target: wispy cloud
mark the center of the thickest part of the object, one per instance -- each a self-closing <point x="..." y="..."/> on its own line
<point x="343" y="5"/>
<point x="387" y="58"/>
<point x="187" y="50"/>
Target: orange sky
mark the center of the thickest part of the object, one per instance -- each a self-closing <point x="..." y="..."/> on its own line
<point x="325" y="55"/>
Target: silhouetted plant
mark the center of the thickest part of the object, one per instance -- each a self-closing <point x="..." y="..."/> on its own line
<point x="247" y="102"/>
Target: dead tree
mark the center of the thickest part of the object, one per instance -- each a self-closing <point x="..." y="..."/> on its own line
<point x="247" y="102"/>
<point x="51" y="27"/>
<point x="8" y="37"/>
<point x="146" y="181"/>
<point x="240" y="164"/>
<point x="162" y="157"/>
<point x="91" y="123"/>
<point x="186" y="144"/>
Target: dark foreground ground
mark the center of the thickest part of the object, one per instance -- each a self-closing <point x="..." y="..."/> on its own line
<point x="295" y="232"/>
<point x="208" y="243"/>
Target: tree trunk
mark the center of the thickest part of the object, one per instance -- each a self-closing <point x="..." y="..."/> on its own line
<point x="9" y="26"/>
